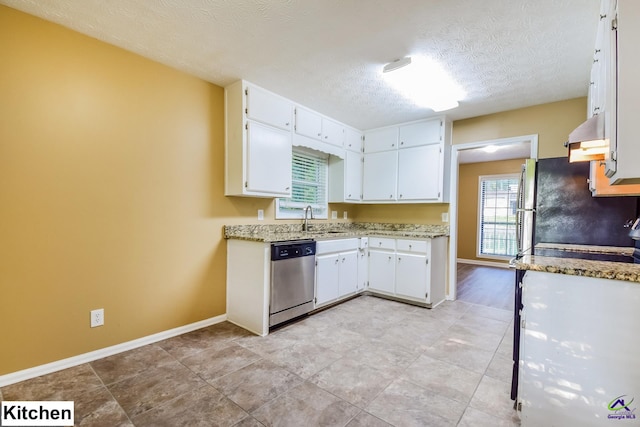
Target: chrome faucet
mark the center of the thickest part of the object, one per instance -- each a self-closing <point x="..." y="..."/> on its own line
<point x="305" y="225"/>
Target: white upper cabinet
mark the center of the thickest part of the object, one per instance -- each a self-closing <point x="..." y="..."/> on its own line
<point x="382" y="139"/>
<point x="353" y="176"/>
<point x="308" y="123"/>
<point x="379" y="176"/>
<point x="352" y="140"/>
<point x="266" y="147"/>
<point x="314" y="125"/>
<point x="414" y="157"/>
<point x="332" y="132"/>
<point x="258" y="142"/>
<point x="345" y="175"/>
<point x="268" y="108"/>
<point x="421" y="133"/>
<point x="624" y="86"/>
<point x="419" y="174"/>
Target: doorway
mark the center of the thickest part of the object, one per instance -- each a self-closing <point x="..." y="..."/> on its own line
<point x="481" y="151"/>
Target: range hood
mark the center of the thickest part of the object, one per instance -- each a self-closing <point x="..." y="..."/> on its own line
<point x="587" y="142"/>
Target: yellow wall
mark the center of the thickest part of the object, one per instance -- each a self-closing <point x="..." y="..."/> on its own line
<point x="403" y="214"/>
<point x="468" y="201"/>
<point x="552" y="122"/>
<point x="111" y="194"/>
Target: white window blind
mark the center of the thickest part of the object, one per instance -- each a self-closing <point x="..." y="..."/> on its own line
<point x="497" y="216"/>
<point x="309" y="187"/>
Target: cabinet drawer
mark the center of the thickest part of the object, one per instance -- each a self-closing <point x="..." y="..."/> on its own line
<point x="418" y="246"/>
<point x="338" y="245"/>
<point x="382" y="243"/>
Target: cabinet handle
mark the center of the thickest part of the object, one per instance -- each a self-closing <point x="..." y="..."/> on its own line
<point x="319" y="134"/>
<point x="409" y="246"/>
<point x="391" y="196"/>
<point x="287" y="188"/>
<point x="287" y="124"/>
<point x="401" y="196"/>
<point x="393" y="145"/>
<point x="399" y="259"/>
<point x="401" y="142"/>
<point x="389" y="258"/>
<point x="379" y="243"/>
<point x="349" y="195"/>
<point x="337" y="261"/>
<point x="342" y="259"/>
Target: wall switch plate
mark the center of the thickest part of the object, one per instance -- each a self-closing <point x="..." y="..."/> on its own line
<point x="334" y="214"/>
<point x="260" y="214"/>
<point x="97" y="317"/>
<point x="445" y="216"/>
<point x="344" y="214"/>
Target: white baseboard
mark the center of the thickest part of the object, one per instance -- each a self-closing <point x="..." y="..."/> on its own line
<point x="485" y="263"/>
<point x="70" y="362"/>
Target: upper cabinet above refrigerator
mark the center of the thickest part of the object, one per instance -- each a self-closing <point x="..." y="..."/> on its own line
<point x="608" y="138"/>
<point x="622" y="162"/>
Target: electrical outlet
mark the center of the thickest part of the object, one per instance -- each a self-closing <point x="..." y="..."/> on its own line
<point x="344" y="215"/>
<point x="97" y="317"/>
<point x="334" y="214"/>
<point x="260" y="215"/>
<point x="445" y="216"/>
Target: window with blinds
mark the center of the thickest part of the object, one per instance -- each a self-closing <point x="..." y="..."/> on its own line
<point x="497" y="216"/>
<point x="309" y="187"/>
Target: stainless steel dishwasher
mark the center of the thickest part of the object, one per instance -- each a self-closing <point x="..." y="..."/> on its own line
<point x="293" y="267"/>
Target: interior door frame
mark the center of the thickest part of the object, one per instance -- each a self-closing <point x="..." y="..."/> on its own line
<point x="453" y="199"/>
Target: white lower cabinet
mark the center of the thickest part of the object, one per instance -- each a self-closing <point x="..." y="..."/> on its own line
<point x="411" y="275"/>
<point x="363" y="264"/>
<point x="336" y="270"/>
<point x="382" y="271"/>
<point x="327" y="277"/>
<point x="413" y="270"/>
<point x="348" y="280"/>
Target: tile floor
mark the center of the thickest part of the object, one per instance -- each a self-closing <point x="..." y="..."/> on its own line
<point x="366" y="362"/>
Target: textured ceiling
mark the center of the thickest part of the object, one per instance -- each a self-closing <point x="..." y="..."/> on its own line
<point x="327" y="54"/>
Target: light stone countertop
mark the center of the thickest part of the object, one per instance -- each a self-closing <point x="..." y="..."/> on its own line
<point x="582" y="267"/>
<point x="325" y="231"/>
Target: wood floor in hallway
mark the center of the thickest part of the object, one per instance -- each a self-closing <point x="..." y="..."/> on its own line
<point x="483" y="285"/>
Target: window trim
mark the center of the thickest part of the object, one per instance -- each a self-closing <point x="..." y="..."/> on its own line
<point x="482" y="178"/>
<point x="299" y="213"/>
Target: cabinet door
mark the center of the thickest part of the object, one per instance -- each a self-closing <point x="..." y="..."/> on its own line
<point x="363" y="269"/>
<point x="422" y="133"/>
<point x="327" y="278"/>
<point x="332" y="132"/>
<point x="352" y="176"/>
<point x="411" y="275"/>
<point x="268" y="108"/>
<point x="381" y="140"/>
<point x="379" y="176"/>
<point x="352" y="140"/>
<point x="308" y="123"/>
<point x="382" y="271"/>
<point x="348" y="273"/>
<point x="268" y="160"/>
<point x="419" y="173"/>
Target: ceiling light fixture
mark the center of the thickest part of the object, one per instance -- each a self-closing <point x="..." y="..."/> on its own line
<point x="490" y="148"/>
<point x="397" y="64"/>
<point x="424" y="82"/>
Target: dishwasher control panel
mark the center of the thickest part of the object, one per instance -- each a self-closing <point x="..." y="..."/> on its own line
<point x="295" y="249"/>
